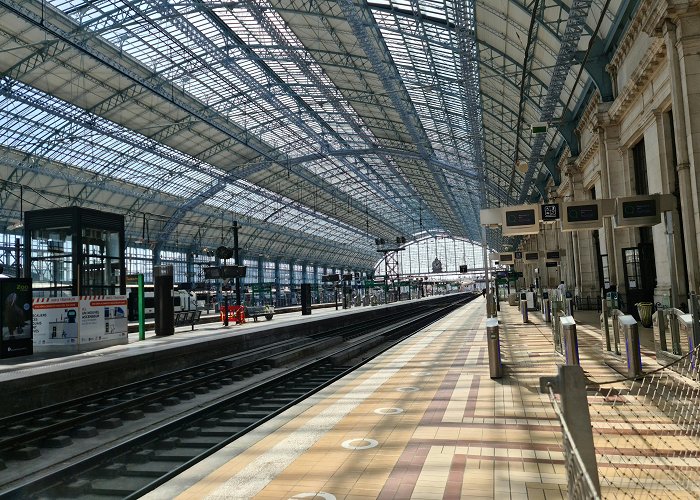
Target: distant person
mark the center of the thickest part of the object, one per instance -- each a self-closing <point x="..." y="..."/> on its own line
<point x="562" y="289"/>
<point x="483" y="292"/>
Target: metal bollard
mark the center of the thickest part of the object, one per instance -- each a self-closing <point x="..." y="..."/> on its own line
<point x="523" y="310"/>
<point x="569" y="306"/>
<point x="570" y="340"/>
<point x="616" y="332"/>
<point x="494" y="346"/>
<point x="660" y="339"/>
<point x="605" y="326"/>
<point x="632" y="348"/>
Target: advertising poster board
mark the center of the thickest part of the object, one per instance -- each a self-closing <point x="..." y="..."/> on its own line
<point x="15" y="317"/>
<point x="55" y="321"/>
<point x="103" y="319"/>
<point x="77" y="323"/>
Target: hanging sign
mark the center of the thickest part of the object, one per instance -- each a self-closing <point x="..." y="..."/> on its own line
<point x="578" y="215"/>
<point x="520" y="220"/>
<point x="638" y="211"/>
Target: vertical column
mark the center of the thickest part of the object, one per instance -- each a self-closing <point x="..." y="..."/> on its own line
<point x="261" y="280"/>
<point x="574" y="258"/>
<point x="608" y="235"/>
<point x="292" y="282"/>
<point x="671" y="227"/>
<point x="684" y="149"/>
<point x="277" y="282"/>
<point x="189" y="266"/>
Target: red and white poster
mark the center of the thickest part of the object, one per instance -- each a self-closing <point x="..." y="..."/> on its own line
<point x="87" y="321"/>
<point x="103" y="318"/>
<point x="55" y="321"/>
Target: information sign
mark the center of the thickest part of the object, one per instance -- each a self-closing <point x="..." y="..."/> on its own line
<point x="519" y="220"/>
<point x="638" y="211"/>
<point x="506" y="258"/>
<point x="552" y="255"/>
<point x="550" y="212"/>
<point x="102" y="319"/>
<point x="551" y="264"/>
<point x="56" y="321"/>
<point x="530" y="256"/>
<point x="581" y="215"/>
<point x="463" y="268"/>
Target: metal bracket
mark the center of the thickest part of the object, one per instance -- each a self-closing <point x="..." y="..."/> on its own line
<point x="549" y="381"/>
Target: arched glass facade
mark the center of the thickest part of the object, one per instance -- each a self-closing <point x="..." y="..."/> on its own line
<point x="417" y="257"/>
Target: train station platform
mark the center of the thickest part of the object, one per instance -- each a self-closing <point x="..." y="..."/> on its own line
<point x="424" y="420"/>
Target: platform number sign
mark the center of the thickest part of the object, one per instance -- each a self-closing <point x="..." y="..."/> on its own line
<point x="550" y="212"/>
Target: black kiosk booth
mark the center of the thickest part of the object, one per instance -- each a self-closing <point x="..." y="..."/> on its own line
<point x="74" y="251"/>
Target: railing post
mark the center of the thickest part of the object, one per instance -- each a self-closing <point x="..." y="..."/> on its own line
<point x="523" y="309"/>
<point x="570" y="340"/>
<point x="615" y="332"/>
<point x="570" y="383"/>
<point x="494" y="348"/>
<point x="632" y="349"/>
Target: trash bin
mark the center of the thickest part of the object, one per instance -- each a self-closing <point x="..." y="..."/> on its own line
<point x="645" y="310"/>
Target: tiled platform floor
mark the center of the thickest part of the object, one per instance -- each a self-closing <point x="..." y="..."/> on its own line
<point x="425" y="421"/>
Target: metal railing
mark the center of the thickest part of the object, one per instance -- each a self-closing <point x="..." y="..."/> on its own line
<point x="578" y="482"/>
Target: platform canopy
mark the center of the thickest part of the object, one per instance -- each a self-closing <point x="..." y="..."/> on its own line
<point x="317" y="125"/>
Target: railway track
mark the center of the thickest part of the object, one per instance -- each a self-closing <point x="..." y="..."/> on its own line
<point x="136" y="437"/>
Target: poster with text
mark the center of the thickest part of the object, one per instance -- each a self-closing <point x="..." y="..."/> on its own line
<point x="103" y="318"/>
<point x="55" y="321"/>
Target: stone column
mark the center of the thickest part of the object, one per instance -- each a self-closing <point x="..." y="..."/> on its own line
<point x="608" y="234"/>
<point x="668" y="186"/>
<point x="684" y="68"/>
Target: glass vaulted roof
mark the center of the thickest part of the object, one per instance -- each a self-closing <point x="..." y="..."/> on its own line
<point x="320" y="125"/>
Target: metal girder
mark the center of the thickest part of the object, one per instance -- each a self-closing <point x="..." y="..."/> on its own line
<point x="70" y="176"/>
<point x="47" y="50"/>
<point x="569" y="43"/>
<point x="469" y="66"/>
<point x="598" y="59"/>
<point x="365" y="30"/>
<point x="157" y="86"/>
<point x="263" y="20"/>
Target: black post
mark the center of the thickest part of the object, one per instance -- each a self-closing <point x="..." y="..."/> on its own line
<point x="335" y="287"/>
<point x="235" y="256"/>
<point x="17" y="264"/>
<point x="225" y="310"/>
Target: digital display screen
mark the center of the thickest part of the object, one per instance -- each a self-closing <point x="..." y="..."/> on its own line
<point x="551" y="264"/>
<point x="506" y="257"/>
<point x="520" y="217"/>
<point x="532" y="255"/>
<point x="553" y="255"/>
<point x="550" y="211"/>
<point x="582" y="213"/>
<point x="640" y="208"/>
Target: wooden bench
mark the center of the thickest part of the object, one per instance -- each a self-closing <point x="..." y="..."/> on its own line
<point x="187" y="318"/>
<point x="255" y="311"/>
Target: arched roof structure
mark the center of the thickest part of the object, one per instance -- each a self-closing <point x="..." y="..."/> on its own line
<point x="319" y="125"/>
